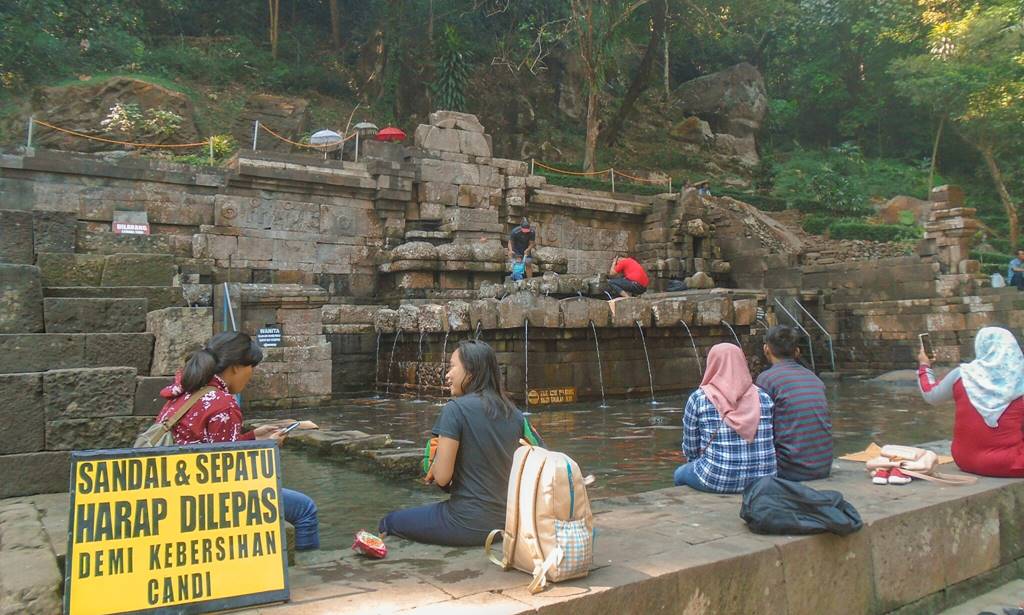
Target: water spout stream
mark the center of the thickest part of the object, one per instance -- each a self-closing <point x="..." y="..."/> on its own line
<point x="600" y="369"/>
<point x="479" y="325"/>
<point x="696" y="354"/>
<point x="391" y="362"/>
<point x="526" y="362"/>
<point x="444" y="367"/>
<point x="419" y="368"/>
<point x="376" y="369"/>
<point x="733" y="331"/>
<point x="650" y="374"/>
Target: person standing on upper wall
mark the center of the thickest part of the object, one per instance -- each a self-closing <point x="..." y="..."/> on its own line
<point x="522" y="242"/>
<point x="988" y="427"/>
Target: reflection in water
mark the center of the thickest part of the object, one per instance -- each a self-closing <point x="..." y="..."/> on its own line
<point x="630" y="446"/>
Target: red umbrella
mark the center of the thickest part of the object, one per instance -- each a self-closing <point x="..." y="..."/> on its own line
<point x="390" y="134"/>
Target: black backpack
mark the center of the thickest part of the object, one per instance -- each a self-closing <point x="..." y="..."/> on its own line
<point x="773" y="505"/>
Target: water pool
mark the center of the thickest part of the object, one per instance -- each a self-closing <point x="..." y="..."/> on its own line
<point x="631" y="446"/>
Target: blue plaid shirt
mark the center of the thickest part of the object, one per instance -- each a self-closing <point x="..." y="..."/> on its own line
<point x="726" y="463"/>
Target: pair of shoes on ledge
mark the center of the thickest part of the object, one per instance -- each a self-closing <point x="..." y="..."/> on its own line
<point x="892" y="476"/>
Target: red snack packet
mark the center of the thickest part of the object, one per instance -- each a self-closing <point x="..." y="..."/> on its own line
<point x="369" y="545"/>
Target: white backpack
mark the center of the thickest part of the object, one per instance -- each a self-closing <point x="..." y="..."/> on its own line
<point x="549" y="530"/>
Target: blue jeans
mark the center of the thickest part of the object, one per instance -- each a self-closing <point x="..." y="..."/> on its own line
<point x="687" y="475"/>
<point x="300" y="511"/>
<point x="431" y="524"/>
<point x="1017" y="280"/>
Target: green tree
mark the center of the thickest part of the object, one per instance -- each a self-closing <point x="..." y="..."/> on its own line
<point x="974" y="75"/>
<point x="452" y="72"/>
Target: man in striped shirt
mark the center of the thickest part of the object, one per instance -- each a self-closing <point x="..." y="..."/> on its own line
<point x="803" y="427"/>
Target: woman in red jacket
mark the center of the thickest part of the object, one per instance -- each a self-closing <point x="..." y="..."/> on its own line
<point x="225" y="365"/>
<point x="988" y="428"/>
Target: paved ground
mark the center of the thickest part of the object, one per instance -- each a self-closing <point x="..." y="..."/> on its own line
<point x="1008" y="596"/>
<point x="676" y="550"/>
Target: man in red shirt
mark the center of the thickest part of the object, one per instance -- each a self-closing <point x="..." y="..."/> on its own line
<point x="633" y="280"/>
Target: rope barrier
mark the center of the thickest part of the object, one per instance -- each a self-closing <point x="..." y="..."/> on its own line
<point x="544" y="166"/>
<point x="640" y="179"/>
<point x="105" y="140"/>
<point x="316" y="147"/>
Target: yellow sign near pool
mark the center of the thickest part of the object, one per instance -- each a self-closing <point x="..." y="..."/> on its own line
<point x="186" y="529"/>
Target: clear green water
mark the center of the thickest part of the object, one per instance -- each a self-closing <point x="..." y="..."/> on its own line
<point x="631" y="446"/>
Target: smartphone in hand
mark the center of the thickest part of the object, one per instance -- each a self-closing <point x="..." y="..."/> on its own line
<point x="926" y="344"/>
<point x="289" y="428"/>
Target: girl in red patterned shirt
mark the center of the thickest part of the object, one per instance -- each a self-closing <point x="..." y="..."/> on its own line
<point x="226" y="365"/>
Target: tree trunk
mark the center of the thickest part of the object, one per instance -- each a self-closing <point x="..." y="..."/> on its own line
<point x="275" y="13"/>
<point x="590" y="149"/>
<point x="935" y="154"/>
<point x="997" y="178"/>
<point x="336" y="25"/>
<point x="641" y="78"/>
<point x="666" y="65"/>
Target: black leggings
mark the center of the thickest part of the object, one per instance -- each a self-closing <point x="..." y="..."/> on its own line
<point x="431" y="524"/>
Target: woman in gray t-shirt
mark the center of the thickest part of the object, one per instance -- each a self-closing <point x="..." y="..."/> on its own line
<point x="478" y="432"/>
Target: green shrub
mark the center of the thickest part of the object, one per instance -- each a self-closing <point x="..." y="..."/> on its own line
<point x="872" y="232"/>
<point x="816" y="224"/>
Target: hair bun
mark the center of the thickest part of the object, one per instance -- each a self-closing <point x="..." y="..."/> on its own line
<point x="213" y="354"/>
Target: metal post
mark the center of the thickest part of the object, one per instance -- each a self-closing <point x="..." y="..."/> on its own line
<point x="255" y="134"/>
<point x="611" y="172"/>
<point x="356" y="159"/>
<point x="31" y="125"/>
<point x="531" y="166"/>
<point x="670" y="185"/>
<point x="211" y="151"/>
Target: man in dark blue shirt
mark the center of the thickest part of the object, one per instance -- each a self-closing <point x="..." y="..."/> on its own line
<point x="522" y="242"/>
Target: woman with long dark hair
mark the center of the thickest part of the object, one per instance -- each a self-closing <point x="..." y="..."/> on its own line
<point x="219" y="370"/>
<point x="478" y="432"/>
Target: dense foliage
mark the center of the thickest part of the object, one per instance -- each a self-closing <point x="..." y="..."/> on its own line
<point x="868" y="98"/>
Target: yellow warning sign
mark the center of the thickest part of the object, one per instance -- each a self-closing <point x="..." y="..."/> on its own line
<point x="186" y="529"/>
<point x="540" y="397"/>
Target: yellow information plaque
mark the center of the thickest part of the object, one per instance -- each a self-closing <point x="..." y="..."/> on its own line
<point x="184" y="529"/>
<point x="541" y="397"/>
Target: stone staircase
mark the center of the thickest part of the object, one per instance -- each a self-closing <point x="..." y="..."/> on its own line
<point x="86" y="343"/>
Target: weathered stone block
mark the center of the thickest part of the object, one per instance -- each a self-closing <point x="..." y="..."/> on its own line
<point x="345" y="314"/>
<point x="32" y="473"/>
<point x="438" y="139"/>
<point x="147" y="394"/>
<point x="456" y="119"/>
<point x="40" y="351"/>
<point x="835" y="562"/>
<point x="414" y="251"/>
<point x="177" y="333"/>
<point x="458" y="316"/>
<point x="483" y="313"/>
<point x="433" y="318"/>
<point x="415" y="280"/>
<point x="408" y="318"/>
<point x="16" y="243"/>
<point x="438" y="192"/>
<point x="626" y="311"/>
<point x="91" y="392"/>
<point x="474" y="143"/>
<point x="711" y="312"/>
<point x="71" y="269"/>
<point x="578" y="312"/>
<point x="80" y="315"/>
<point x="22" y="422"/>
<point x="119" y="350"/>
<point x="139" y="270"/>
<point x="85" y="434"/>
<point x="386" y="320"/>
<point x="744" y="311"/>
<point x="54" y="231"/>
<point x="21" y="299"/>
<point x="668" y="312"/>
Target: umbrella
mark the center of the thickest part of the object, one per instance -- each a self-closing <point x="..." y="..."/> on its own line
<point x="325" y="137"/>
<point x="391" y="134"/>
<point x="363" y="128"/>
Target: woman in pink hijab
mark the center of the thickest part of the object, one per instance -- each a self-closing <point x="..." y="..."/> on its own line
<point x="727" y="427"/>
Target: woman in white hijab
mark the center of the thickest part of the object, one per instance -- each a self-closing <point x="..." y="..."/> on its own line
<point x="988" y="428"/>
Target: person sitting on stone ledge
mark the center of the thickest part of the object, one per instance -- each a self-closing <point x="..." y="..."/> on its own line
<point x="226" y="365"/>
<point x="522" y="242"/>
<point x="989" y="396"/>
<point x="1015" y="272"/>
<point x="801" y="423"/>
<point x="478" y="433"/>
<point x="727" y="427"/>
<point x="633" y="280"/>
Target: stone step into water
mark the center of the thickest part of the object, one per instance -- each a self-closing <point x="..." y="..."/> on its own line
<point x="87" y="315"/>
<point x="381" y="453"/>
<point x="157" y="297"/>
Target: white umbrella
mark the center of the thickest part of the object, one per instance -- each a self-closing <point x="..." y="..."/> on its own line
<point x="325" y="137"/>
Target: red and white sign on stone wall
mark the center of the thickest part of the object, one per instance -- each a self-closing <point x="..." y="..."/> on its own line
<point x="130" y="223"/>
